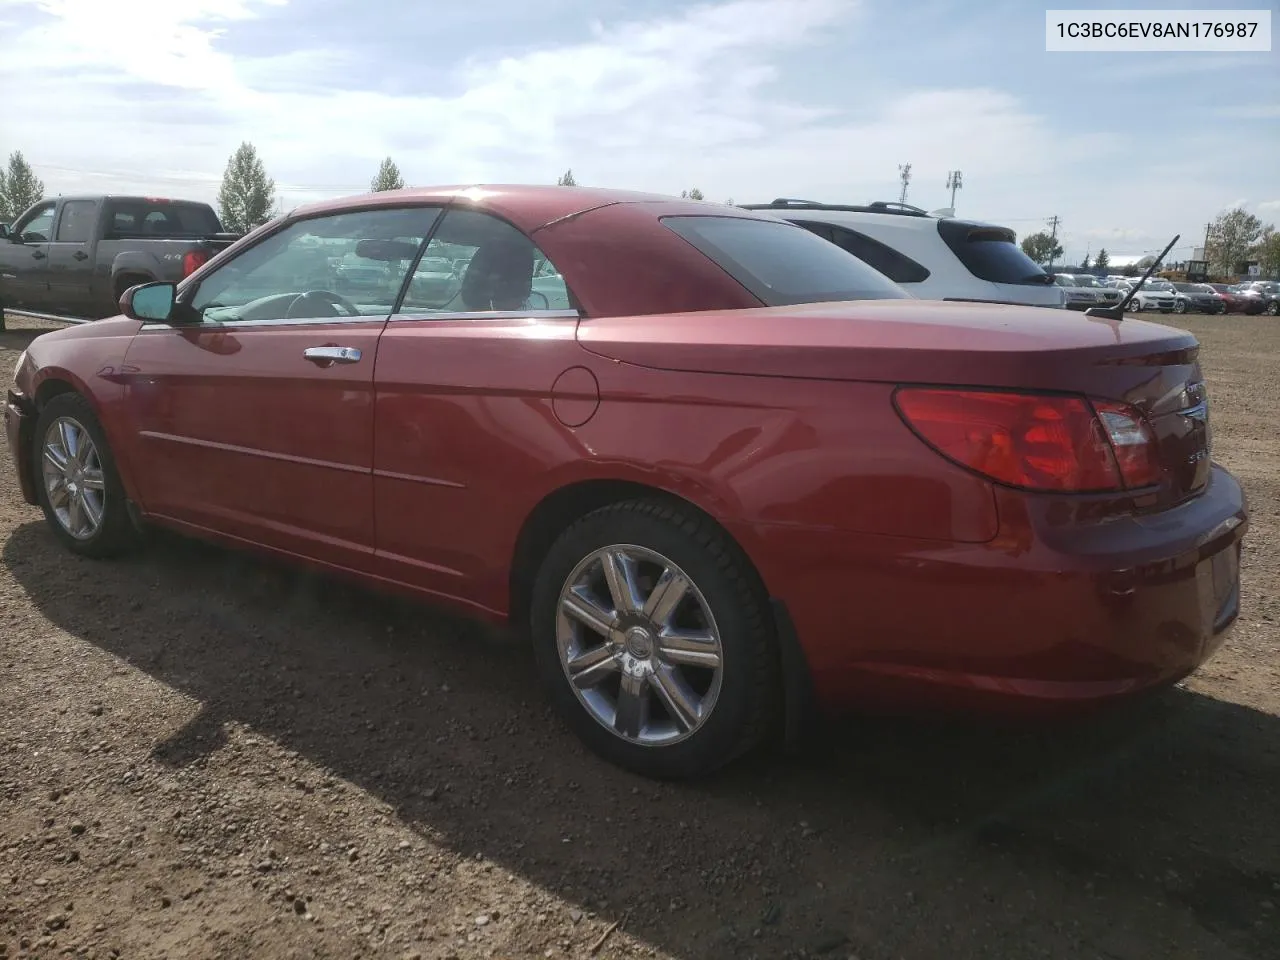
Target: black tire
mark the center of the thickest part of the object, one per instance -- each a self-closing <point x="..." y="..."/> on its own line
<point x="1180" y="307"/>
<point x="1273" y="308"/>
<point x="115" y="533"/>
<point x="747" y="706"/>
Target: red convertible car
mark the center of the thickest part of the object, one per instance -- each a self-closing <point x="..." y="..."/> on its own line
<point x="721" y="470"/>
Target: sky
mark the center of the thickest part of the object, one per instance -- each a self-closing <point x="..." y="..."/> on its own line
<point x="745" y="99"/>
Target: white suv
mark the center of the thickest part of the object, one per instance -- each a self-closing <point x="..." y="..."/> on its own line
<point x="933" y="257"/>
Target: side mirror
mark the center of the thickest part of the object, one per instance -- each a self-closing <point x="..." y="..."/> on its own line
<point x="149" y="302"/>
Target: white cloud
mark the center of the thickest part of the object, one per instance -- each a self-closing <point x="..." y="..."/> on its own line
<point x="146" y="95"/>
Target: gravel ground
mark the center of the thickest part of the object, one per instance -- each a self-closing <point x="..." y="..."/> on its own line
<point x="202" y="755"/>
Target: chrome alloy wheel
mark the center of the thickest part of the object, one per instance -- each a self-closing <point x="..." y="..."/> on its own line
<point x="73" y="478"/>
<point x="639" y="645"/>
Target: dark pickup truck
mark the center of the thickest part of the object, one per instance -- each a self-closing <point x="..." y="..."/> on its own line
<point x="71" y="258"/>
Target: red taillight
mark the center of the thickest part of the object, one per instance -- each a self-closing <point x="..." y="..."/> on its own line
<point x="1035" y="441"/>
<point x="193" y="260"/>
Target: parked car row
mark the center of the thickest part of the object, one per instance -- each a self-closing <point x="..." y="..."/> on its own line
<point x="678" y="464"/>
<point x="1251" y="297"/>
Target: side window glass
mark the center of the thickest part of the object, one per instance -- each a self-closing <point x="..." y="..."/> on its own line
<point x="894" y="265"/>
<point x="341" y="265"/>
<point x="39" y="228"/>
<point x="75" y="223"/>
<point x="476" y="263"/>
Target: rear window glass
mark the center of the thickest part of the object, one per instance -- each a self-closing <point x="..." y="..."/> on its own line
<point x="781" y="263"/>
<point x="142" y="218"/>
<point x="989" y="253"/>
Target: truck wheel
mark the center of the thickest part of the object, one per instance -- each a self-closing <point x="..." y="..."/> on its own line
<point x="654" y="639"/>
<point x="77" y="484"/>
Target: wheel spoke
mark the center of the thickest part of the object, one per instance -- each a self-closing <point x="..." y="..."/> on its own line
<point x="70" y="438"/>
<point x="56" y="457"/>
<point x="619" y="572"/>
<point x="92" y="479"/>
<point x="589" y="668"/>
<point x="692" y="648"/>
<point x="92" y="511"/>
<point x="633" y="706"/>
<point x="75" y="515"/>
<point x="58" y="492"/>
<point x="680" y="701"/>
<point x="667" y="593"/>
<point x="588" y="613"/>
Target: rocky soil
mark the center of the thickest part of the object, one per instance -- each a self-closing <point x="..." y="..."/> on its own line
<point x="202" y="755"/>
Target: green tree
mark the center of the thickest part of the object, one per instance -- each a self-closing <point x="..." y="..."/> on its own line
<point x="566" y="179"/>
<point x="1231" y="238"/>
<point x="1084" y="264"/>
<point x="1267" y="251"/>
<point x="1041" y="247"/>
<point x="247" y="193"/>
<point x="1103" y="260"/>
<point x="388" y="177"/>
<point x="19" y="187"/>
<point x="694" y="194"/>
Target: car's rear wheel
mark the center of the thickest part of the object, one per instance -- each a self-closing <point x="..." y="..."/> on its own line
<point x="1273" y="308"/>
<point x="652" y="634"/>
<point x="77" y="484"/>
<point x="1135" y="305"/>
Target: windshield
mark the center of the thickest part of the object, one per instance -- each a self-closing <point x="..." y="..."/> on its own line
<point x="1084" y="280"/>
<point x="781" y="263"/>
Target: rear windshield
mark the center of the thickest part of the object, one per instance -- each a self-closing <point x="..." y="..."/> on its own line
<point x="989" y="253"/>
<point x="160" y="219"/>
<point x="781" y="263"/>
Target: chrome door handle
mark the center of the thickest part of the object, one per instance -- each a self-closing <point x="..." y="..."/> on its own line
<point x="332" y="354"/>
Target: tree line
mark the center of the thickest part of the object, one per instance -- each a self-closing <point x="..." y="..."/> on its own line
<point x="247" y="197"/>
<point x="1234" y="238"/>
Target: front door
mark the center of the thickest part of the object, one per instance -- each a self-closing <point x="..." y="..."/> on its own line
<point x="257" y="420"/>
<point x="24" y="260"/>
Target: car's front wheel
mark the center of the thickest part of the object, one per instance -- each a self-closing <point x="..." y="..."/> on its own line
<point x="77" y="484"/>
<point x="1273" y="308"/>
<point x="653" y="636"/>
<point x="1180" y="307"/>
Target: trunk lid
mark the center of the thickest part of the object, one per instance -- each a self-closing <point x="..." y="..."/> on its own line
<point x="1148" y="365"/>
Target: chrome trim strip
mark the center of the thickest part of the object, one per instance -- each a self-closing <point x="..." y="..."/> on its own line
<point x="414" y="478"/>
<point x="285" y="322"/>
<point x="252" y="451"/>
<point x="491" y="315"/>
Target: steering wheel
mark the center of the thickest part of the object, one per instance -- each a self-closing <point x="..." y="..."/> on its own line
<point x="546" y="304"/>
<point x="300" y="308"/>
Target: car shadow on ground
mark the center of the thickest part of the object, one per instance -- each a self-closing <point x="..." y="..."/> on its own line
<point x="1147" y="831"/>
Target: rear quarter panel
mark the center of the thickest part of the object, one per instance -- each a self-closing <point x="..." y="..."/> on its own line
<point x="459" y="467"/>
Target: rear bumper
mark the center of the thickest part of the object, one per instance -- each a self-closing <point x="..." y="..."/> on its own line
<point x="1036" y="617"/>
<point x="19" y="423"/>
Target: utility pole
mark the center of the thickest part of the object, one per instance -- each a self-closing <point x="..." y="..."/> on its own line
<point x="904" y="174"/>
<point x="954" y="183"/>
<point x="1207" y="228"/>
<point x="1054" y="237"/>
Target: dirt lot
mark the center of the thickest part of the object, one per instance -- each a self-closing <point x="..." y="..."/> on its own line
<point x="205" y="756"/>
